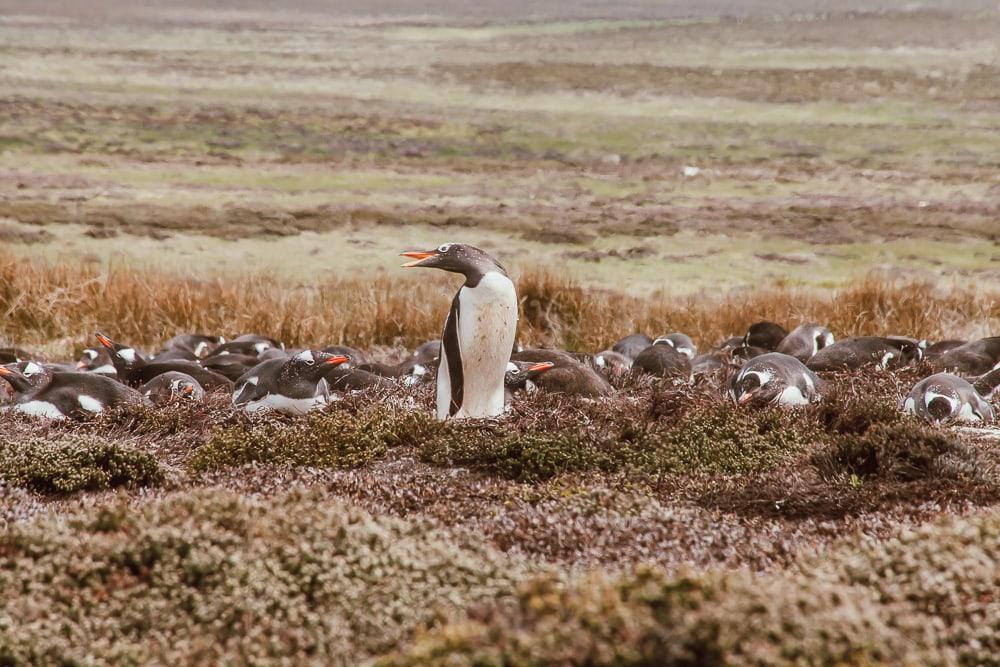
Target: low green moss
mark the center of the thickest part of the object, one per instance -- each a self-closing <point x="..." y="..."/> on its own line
<point x="333" y="438"/>
<point x="76" y="464"/>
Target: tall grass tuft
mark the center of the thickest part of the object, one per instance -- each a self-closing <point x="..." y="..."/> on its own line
<point x="42" y="302"/>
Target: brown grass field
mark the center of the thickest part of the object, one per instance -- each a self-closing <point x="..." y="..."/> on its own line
<point x="233" y="167"/>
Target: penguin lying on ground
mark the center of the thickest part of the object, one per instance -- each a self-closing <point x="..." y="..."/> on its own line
<point x="135" y="371"/>
<point x="96" y="360"/>
<point x="944" y="398"/>
<point x="172" y="386"/>
<point x="805" y="340"/>
<point x="609" y="362"/>
<point x="680" y="342"/>
<point x="293" y="386"/>
<point x="973" y="358"/>
<point x="42" y="392"/>
<point x="630" y="346"/>
<point x="764" y="335"/>
<point x="663" y="360"/>
<point x="775" y="378"/>
<point x="860" y="351"/>
<point x="478" y="333"/>
<point x="198" y="345"/>
<point x="571" y="380"/>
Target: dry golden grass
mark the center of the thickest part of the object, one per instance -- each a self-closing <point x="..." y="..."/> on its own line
<point x="46" y="303"/>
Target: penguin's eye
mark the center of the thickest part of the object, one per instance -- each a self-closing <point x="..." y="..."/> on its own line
<point x="445" y="247"/>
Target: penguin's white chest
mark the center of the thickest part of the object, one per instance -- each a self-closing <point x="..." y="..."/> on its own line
<point x="487" y="324"/>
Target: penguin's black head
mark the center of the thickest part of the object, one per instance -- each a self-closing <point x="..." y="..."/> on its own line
<point x="123" y="357"/>
<point x="756" y="388"/>
<point x="26" y="375"/>
<point x="457" y="258"/>
<point x="939" y="408"/>
<point x="313" y="363"/>
<point x="765" y="335"/>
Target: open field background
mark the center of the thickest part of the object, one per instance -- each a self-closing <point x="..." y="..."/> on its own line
<point x="695" y="166"/>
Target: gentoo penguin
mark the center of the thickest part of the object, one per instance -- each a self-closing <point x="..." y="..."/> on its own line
<point x="199" y="345"/>
<point x="230" y="365"/>
<point x="775" y="378"/>
<point x="168" y="387"/>
<point x="935" y="350"/>
<point x="253" y="348"/>
<point x="428" y="353"/>
<point x="293" y="385"/>
<point x="610" y="361"/>
<point x="357" y="356"/>
<point x="631" y="345"/>
<point x="478" y="334"/>
<point x="576" y="380"/>
<point x="663" y="360"/>
<point x="713" y="361"/>
<point x="42" y="392"/>
<point x="175" y="354"/>
<point x="765" y="335"/>
<point x="859" y="351"/>
<point x="973" y="358"/>
<point x="255" y="338"/>
<point x="805" y="340"/>
<point x="135" y="371"/>
<point x="96" y="360"/>
<point x="680" y="342"/>
<point x="946" y="398"/>
<point x="557" y="357"/>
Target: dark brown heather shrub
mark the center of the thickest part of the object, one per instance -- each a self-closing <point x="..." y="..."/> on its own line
<point x="76" y="463"/>
<point x="211" y="577"/>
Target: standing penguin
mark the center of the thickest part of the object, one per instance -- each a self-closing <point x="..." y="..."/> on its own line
<point x="478" y="334"/>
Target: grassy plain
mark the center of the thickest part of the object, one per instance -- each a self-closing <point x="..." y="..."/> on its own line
<point x="644" y="166"/>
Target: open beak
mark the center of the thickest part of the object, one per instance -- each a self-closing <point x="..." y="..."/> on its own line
<point x="417" y="257"/>
<point x="105" y="341"/>
<point x="540" y="366"/>
<point x="337" y="359"/>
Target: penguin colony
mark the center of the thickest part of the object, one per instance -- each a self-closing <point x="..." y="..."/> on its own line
<point x="478" y="367"/>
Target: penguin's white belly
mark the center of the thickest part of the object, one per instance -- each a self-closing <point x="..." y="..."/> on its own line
<point x="40" y="409"/>
<point x="487" y="324"/>
<point x="288" y="406"/>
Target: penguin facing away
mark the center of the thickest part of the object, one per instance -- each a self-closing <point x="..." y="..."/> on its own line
<point x="806" y="340"/>
<point x="478" y="333"/>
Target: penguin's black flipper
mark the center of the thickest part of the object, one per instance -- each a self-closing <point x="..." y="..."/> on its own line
<point x="453" y="352"/>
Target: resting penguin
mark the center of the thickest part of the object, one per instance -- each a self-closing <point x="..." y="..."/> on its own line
<point x="680" y="342"/>
<point x="631" y="345"/>
<point x="987" y="383"/>
<point x="198" y="345"/>
<point x="168" y="387"/>
<point x="973" y="358"/>
<point x="293" y="386"/>
<point x="805" y="340"/>
<point x="775" y="378"/>
<point x="610" y="361"/>
<point x="765" y="335"/>
<point x="42" y="392"/>
<point x="135" y="371"/>
<point x="854" y="353"/>
<point x="946" y="398"/>
<point x="478" y="334"/>
<point x="663" y="360"/>
<point x="96" y="360"/>
<point x="578" y="380"/>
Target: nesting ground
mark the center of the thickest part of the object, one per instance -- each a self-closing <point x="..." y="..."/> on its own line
<point x="232" y="169"/>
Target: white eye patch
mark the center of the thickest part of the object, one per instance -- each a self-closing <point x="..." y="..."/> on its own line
<point x="31" y="369"/>
<point x="91" y="353"/>
<point x="261" y="347"/>
<point x="444" y="247"/>
<point x="128" y="354"/>
<point x="306" y="356"/>
<point x="511" y="367"/>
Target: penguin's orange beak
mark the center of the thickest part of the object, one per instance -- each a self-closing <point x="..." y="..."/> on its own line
<point x="417" y="256"/>
<point x="337" y="359"/>
<point x="5" y="371"/>
<point x="105" y="341"/>
<point x="81" y="364"/>
<point x="187" y="389"/>
<point x="541" y="366"/>
<point x="745" y="398"/>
